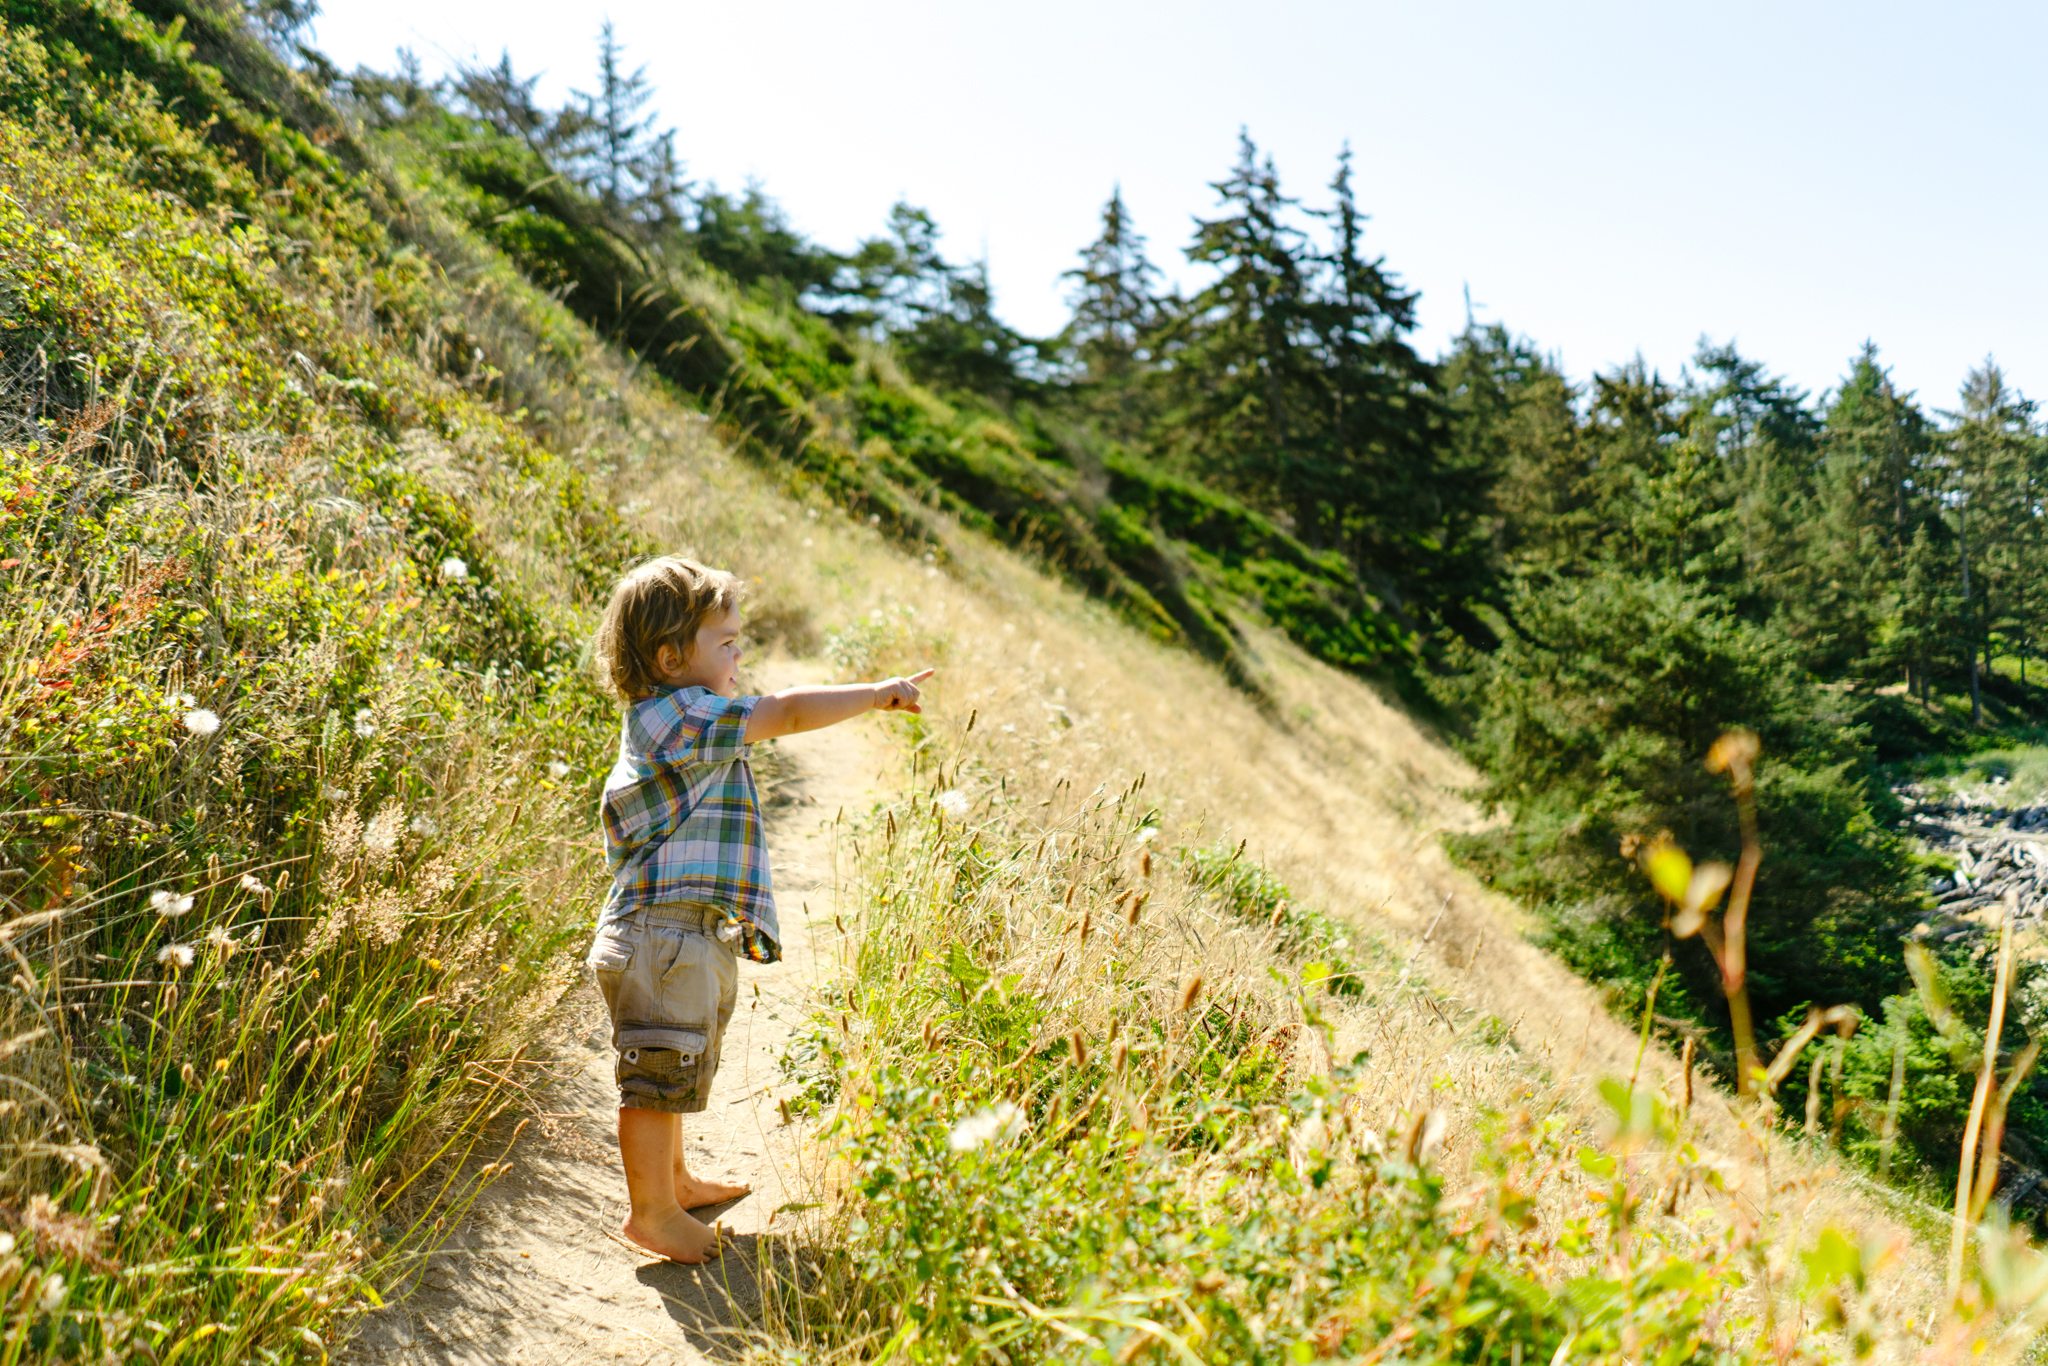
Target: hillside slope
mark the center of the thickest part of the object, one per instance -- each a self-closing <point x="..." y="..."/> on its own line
<point x="314" y="495"/>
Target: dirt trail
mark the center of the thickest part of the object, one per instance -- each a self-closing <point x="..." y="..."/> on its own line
<point x="533" y="1275"/>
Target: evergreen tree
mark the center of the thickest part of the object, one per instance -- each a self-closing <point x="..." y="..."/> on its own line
<point x="749" y="237"/>
<point x="1113" y="300"/>
<point x="1243" y="351"/>
<point x="632" y="169"/>
<point x="1514" y="414"/>
<point x="941" y="317"/>
<point x="1997" y="481"/>
<point x="501" y="98"/>
<point x="1875" y="450"/>
<point x="1405" y="504"/>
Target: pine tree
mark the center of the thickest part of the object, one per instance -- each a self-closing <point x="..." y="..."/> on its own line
<point x="1382" y="435"/>
<point x="502" y="99"/>
<point x="1243" y="350"/>
<point x="1876" y="449"/>
<point x="632" y="169"/>
<point x="1998" y="479"/>
<point x="1513" y="414"/>
<point x="1113" y="300"/>
<point x="940" y="317"/>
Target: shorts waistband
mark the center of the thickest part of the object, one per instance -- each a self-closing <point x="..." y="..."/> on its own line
<point x="693" y="915"/>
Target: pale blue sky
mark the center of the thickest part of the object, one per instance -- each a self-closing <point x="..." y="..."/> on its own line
<point x="1605" y="177"/>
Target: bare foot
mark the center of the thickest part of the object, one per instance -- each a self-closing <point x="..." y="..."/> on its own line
<point x="692" y="1193"/>
<point x="678" y="1238"/>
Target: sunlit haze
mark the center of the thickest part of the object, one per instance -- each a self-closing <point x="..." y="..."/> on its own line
<point x="1606" y="178"/>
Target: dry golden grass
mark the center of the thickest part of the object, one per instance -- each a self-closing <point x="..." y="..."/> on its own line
<point x="1336" y="789"/>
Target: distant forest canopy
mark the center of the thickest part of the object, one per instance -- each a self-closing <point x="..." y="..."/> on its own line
<point x="1886" y="541"/>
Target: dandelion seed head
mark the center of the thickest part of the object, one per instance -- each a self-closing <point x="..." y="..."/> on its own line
<point x="218" y="936"/>
<point x="953" y="802"/>
<point x="175" y="955"/>
<point x="380" y="837"/>
<point x="365" y="725"/>
<point x="453" y="568"/>
<point x="169" y="903"/>
<point x="181" y="701"/>
<point x="557" y="769"/>
<point x="424" y="825"/>
<point x="200" y="721"/>
<point x="252" y="883"/>
<point x="334" y="794"/>
<point x="991" y="1124"/>
<point x="1148" y="834"/>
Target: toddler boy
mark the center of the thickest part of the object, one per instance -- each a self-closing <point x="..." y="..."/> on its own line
<point x="690" y="885"/>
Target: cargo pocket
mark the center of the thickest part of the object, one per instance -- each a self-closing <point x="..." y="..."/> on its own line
<point x="689" y="1042"/>
<point x="613" y="951"/>
<point x="661" y="1067"/>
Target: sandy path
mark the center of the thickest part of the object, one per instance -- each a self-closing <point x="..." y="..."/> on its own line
<point x="532" y="1275"/>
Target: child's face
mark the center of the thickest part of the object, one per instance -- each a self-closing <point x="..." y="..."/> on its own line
<point x="713" y="661"/>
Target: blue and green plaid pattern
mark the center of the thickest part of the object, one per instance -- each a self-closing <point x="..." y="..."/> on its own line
<point x="682" y="821"/>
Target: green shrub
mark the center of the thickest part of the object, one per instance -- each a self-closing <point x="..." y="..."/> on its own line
<point x="1593" y="719"/>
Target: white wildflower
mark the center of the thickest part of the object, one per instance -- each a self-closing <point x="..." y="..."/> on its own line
<point x="169" y="903"/>
<point x="557" y="769"/>
<point x="252" y="883"/>
<point x="200" y="721"/>
<point x="452" y="569"/>
<point x="999" y="1121"/>
<point x="953" y="802"/>
<point x="175" y="955"/>
<point x="365" y="724"/>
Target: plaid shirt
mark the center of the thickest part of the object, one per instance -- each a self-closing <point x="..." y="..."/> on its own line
<point x="682" y="821"/>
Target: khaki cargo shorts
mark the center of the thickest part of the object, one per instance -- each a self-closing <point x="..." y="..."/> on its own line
<point x="670" y="984"/>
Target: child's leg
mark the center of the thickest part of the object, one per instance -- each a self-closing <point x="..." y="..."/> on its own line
<point x="648" y="1145"/>
<point x="692" y="1193"/>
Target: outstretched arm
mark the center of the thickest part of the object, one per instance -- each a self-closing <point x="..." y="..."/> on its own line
<point x="815" y="707"/>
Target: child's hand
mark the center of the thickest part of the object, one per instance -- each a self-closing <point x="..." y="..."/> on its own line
<point x="900" y="694"/>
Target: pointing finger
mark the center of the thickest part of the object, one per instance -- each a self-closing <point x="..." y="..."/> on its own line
<point x="920" y="677"/>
